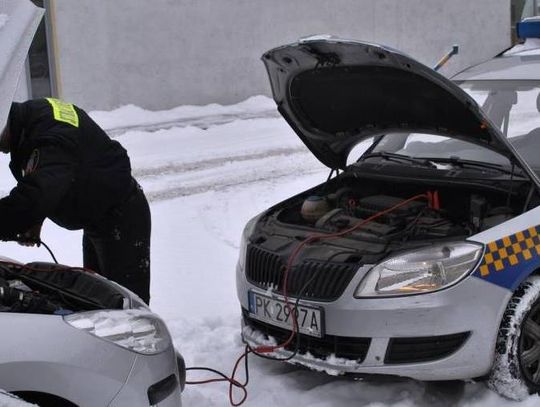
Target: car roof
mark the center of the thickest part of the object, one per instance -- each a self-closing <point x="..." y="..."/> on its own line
<point x="521" y="62"/>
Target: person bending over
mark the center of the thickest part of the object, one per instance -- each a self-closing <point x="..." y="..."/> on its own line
<point x="68" y="170"/>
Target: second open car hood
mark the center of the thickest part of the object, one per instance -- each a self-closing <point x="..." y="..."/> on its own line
<point x="19" y="20"/>
<point x="335" y="93"/>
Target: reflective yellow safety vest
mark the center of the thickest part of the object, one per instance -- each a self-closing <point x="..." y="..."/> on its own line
<point x="64" y="112"/>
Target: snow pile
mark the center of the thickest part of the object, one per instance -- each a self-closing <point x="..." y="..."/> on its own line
<point x="255" y="338"/>
<point x="133" y="116"/>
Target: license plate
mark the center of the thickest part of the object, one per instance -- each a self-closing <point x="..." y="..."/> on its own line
<point x="275" y="312"/>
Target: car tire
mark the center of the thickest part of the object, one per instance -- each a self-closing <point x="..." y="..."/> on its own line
<point x="516" y="370"/>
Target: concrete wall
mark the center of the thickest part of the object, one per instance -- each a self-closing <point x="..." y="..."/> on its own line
<point x="163" y="53"/>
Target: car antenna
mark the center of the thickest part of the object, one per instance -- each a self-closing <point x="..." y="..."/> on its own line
<point x="442" y="62"/>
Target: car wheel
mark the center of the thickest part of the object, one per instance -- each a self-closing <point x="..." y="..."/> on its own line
<point x="516" y="370"/>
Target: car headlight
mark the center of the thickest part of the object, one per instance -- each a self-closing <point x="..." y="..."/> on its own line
<point x="420" y="271"/>
<point x="136" y="330"/>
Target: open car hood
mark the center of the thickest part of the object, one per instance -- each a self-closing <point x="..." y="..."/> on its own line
<point x="335" y="93"/>
<point x="19" y="20"/>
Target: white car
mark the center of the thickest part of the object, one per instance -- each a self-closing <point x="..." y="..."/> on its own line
<point x="67" y="333"/>
<point x="419" y="257"/>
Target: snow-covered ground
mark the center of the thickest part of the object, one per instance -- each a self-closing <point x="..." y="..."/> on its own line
<point x="205" y="178"/>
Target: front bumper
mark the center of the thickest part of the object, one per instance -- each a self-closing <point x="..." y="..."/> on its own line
<point x="153" y="380"/>
<point x="42" y="353"/>
<point x="473" y="309"/>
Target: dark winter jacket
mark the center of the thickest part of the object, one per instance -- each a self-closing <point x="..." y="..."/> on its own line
<point x="67" y="168"/>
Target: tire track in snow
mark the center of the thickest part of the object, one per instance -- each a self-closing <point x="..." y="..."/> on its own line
<point x="212" y="162"/>
<point x="176" y="192"/>
<point x="217" y="174"/>
<point x="149" y="176"/>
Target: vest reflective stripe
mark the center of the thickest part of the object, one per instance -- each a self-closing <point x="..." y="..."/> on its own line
<point x="64" y="112"/>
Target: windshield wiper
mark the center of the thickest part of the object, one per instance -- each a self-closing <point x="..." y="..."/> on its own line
<point x="399" y="158"/>
<point x="480" y="164"/>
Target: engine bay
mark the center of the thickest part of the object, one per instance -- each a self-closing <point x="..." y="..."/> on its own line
<point x="440" y="211"/>
<point x="48" y="288"/>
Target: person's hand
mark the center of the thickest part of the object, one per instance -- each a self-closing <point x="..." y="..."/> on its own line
<point x="31" y="237"/>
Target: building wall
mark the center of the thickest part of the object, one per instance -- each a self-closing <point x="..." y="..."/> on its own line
<point x="162" y="53"/>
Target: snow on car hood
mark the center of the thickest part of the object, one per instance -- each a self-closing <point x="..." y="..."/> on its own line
<point x="19" y="20"/>
<point x="335" y="93"/>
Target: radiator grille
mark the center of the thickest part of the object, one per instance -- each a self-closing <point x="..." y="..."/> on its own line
<point x="265" y="269"/>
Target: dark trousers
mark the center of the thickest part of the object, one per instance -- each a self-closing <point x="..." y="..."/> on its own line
<point x="119" y="246"/>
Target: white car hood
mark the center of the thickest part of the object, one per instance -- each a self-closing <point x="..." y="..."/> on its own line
<point x="19" y="20"/>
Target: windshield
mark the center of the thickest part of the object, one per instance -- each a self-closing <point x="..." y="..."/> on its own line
<point x="514" y="106"/>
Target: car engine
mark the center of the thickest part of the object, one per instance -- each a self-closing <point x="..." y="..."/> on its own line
<point x="48" y="288"/>
<point x="445" y="212"/>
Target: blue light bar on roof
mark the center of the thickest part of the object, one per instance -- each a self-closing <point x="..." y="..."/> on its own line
<point x="528" y="28"/>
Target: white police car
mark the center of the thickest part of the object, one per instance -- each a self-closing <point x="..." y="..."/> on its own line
<point x="422" y="257"/>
